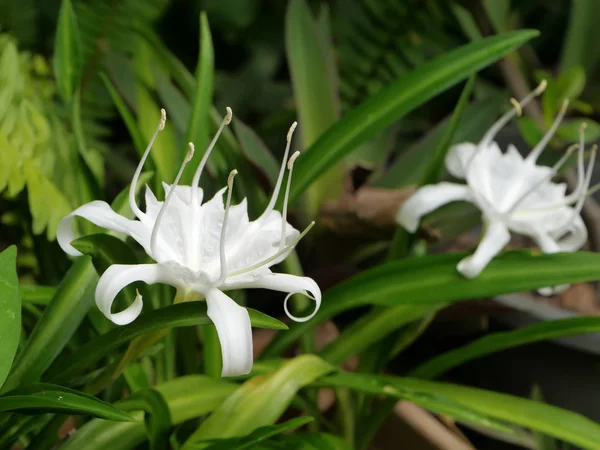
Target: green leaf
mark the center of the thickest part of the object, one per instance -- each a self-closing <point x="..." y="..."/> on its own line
<point x="43" y="397"/>
<point x="581" y="31"/>
<point x="256" y="437"/>
<point x="315" y="90"/>
<point x="10" y="307"/>
<point x="67" y="52"/>
<point x="396" y="100"/>
<point x="187" y="397"/>
<point x="371" y="328"/>
<point x="436" y="165"/>
<point x="139" y="141"/>
<point x="495" y="342"/>
<point x="309" y="441"/>
<point x="157" y="417"/>
<point x="434" y="279"/>
<point x="569" y="131"/>
<point x="543" y="441"/>
<point x="174" y="316"/>
<point x="37" y="295"/>
<point x="198" y="127"/>
<point x="497" y="12"/>
<point x="256" y="150"/>
<point x="476" y="405"/>
<point x="60" y="320"/>
<point x="261" y="400"/>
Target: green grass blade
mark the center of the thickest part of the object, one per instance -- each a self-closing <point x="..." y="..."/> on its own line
<point x="67" y="52"/>
<point x="476" y="406"/>
<point x="60" y="320"/>
<point x="186" y="397"/>
<point x="501" y="341"/>
<point x="44" y="397"/>
<point x="174" y="316"/>
<point x="434" y="279"/>
<point x="398" y="99"/>
<point x="260" y="401"/>
<point x="198" y="126"/>
<point x="10" y="305"/>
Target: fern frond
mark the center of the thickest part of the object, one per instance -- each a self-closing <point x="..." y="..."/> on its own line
<point x="28" y="147"/>
<point x="382" y="39"/>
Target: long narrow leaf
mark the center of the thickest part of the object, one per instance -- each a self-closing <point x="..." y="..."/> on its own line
<point x="67" y="52"/>
<point x="10" y="305"/>
<point x="61" y="318"/>
<point x="398" y="99"/>
<point x="45" y="397"/>
<point x="199" y="120"/>
<point x="434" y="279"/>
<point x="179" y="315"/>
<point x="501" y="341"/>
<point x="476" y="405"/>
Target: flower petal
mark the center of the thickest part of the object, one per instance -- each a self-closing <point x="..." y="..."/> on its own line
<point x="495" y="238"/>
<point x="116" y="277"/>
<point x="458" y="157"/>
<point x="576" y="238"/>
<point x="427" y="199"/>
<point x="548" y="245"/>
<point x="282" y="282"/>
<point x="235" y="333"/>
<point x="101" y="214"/>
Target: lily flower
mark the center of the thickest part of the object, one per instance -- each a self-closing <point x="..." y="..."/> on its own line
<point x="202" y="249"/>
<point x="513" y="192"/>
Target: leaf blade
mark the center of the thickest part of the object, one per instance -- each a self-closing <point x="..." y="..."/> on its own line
<point x="396" y="100"/>
<point x="10" y="305"/>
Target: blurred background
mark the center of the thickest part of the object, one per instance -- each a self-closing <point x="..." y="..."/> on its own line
<point x="61" y="146"/>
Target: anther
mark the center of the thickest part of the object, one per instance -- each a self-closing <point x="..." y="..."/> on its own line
<point x="291" y="131"/>
<point x="517" y="106"/>
<point x="541" y="87"/>
<point x="228" y="115"/>
<point x="138" y="171"/>
<point x="163" y="119"/>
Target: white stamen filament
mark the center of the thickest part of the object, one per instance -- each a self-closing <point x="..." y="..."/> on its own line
<point x="153" y="237"/>
<point x="196" y="179"/>
<point x="290" y="166"/>
<point x="502" y="121"/>
<point x="136" y="176"/>
<point x="539" y="148"/>
<point x="223" y="275"/>
<point x="273" y="257"/>
<point x="273" y="200"/>
<point x="580" y="198"/>
<point x="580" y="166"/>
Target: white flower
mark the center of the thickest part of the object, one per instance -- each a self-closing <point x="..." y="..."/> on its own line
<point x="512" y="192"/>
<point x="201" y="249"/>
